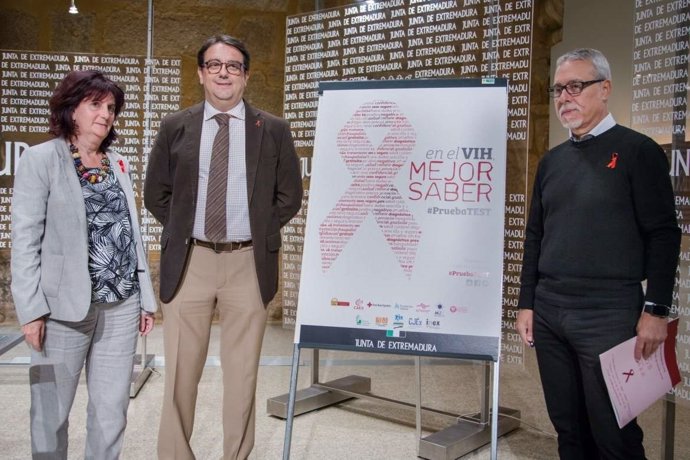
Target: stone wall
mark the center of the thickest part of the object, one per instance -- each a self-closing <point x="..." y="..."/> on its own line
<point x="179" y="28"/>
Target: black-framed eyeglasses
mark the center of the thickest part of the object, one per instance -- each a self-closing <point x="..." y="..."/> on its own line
<point x="574" y="88"/>
<point x="233" y="67"/>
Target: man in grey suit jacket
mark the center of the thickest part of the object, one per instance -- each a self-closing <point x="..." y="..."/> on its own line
<point x="235" y="271"/>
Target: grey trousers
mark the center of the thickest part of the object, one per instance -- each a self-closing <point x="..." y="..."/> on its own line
<point x="104" y="343"/>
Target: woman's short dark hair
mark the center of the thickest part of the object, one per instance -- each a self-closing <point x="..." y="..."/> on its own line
<point x="74" y="88"/>
<point x="228" y="40"/>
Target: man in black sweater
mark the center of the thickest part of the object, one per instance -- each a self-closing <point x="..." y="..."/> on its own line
<point x="602" y="220"/>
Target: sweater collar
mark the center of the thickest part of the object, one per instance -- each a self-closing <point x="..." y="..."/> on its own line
<point x="604" y="125"/>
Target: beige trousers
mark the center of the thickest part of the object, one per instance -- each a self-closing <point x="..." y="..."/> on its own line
<point x="226" y="281"/>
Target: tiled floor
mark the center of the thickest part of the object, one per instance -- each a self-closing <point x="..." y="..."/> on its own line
<point x="356" y="429"/>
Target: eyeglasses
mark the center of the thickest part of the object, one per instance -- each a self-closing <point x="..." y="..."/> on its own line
<point x="573" y="88"/>
<point x="233" y="67"/>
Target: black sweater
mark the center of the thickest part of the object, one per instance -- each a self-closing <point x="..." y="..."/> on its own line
<point x="602" y="220"/>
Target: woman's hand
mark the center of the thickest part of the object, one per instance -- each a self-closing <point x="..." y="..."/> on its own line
<point x="146" y="323"/>
<point x="34" y="333"/>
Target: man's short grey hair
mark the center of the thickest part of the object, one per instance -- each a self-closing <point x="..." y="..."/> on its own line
<point x="598" y="60"/>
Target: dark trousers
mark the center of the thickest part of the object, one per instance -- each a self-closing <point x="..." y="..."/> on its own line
<point x="568" y="342"/>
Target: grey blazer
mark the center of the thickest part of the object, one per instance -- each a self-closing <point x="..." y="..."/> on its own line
<point x="49" y="257"/>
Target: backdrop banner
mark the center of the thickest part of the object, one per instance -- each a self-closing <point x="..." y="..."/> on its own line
<point x="404" y="240"/>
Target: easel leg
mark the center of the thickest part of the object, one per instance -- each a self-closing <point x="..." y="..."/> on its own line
<point x="291" y="403"/>
<point x="668" y="428"/>
<point x="494" y="414"/>
<point x="418" y="415"/>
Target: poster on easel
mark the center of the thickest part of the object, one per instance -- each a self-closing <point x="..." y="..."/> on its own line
<point x="404" y="240"/>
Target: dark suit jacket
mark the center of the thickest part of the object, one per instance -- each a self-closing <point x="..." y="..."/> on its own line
<point x="274" y="189"/>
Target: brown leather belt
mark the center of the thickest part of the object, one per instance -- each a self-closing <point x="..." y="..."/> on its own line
<point x="222" y="247"/>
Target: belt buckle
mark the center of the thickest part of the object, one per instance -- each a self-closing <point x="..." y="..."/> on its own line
<point x="215" y="247"/>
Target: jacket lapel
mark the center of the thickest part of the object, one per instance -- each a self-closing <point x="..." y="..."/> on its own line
<point x="193" y="123"/>
<point x="69" y="177"/>
<point x="254" y="126"/>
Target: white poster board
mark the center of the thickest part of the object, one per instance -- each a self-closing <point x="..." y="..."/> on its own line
<point x="403" y="250"/>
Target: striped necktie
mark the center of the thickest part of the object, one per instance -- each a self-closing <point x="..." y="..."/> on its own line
<point x="216" y="193"/>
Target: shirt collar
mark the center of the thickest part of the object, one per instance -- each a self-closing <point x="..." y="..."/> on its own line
<point x="604" y="125"/>
<point x="235" y="112"/>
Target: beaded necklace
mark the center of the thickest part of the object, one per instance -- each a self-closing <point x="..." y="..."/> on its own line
<point x="88" y="174"/>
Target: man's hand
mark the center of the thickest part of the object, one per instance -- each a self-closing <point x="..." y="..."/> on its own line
<point x="651" y="332"/>
<point x="34" y="333"/>
<point x="523" y="324"/>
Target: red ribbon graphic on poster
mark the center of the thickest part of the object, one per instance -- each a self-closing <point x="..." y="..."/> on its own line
<point x="373" y="168"/>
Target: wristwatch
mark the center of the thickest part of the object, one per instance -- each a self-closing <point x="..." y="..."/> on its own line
<point x="656" y="309"/>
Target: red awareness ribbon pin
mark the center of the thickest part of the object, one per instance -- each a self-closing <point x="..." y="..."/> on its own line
<point x="612" y="163"/>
